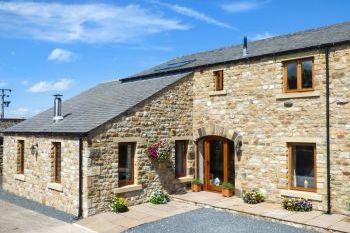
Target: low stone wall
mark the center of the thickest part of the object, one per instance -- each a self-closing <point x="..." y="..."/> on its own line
<point x="36" y="182"/>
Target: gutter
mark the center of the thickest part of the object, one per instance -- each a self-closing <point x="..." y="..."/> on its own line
<point x="328" y="133"/>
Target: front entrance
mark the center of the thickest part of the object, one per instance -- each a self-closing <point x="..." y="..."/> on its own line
<point x="218" y="162"/>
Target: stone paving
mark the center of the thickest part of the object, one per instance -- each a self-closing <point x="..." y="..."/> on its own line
<point x="316" y="219"/>
<point x="137" y="215"/>
<point x="17" y="219"/>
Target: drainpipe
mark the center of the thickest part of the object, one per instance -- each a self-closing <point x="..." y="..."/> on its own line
<point x="80" y="208"/>
<point x="328" y="137"/>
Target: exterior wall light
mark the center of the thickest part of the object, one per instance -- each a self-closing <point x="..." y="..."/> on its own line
<point x="34" y="149"/>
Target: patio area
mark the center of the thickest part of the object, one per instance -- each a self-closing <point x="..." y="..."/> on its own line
<point x="314" y="219"/>
<point x="136" y="216"/>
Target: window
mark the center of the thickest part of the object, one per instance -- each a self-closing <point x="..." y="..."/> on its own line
<point x="20" y="156"/>
<point x="302" y="167"/>
<point x="219" y="80"/>
<point x="180" y="158"/>
<point x="56" y="162"/>
<point x="126" y="163"/>
<point x="299" y="75"/>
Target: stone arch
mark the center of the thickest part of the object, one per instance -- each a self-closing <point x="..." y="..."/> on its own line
<point x="214" y="130"/>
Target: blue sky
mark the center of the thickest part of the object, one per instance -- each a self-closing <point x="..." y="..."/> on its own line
<point x="66" y="47"/>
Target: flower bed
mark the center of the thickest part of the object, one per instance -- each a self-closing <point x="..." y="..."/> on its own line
<point x="118" y="205"/>
<point x="253" y="197"/>
<point x="159" y="197"/>
<point x="297" y="204"/>
<point x="160" y="151"/>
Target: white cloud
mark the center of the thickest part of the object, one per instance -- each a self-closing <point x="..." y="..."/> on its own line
<point x="45" y="86"/>
<point x="234" y="7"/>
<point x="262" y="36"/>
<point x="3" y="83"/>
<point x="21" y="112"/>
<point x="81" y="22"/>
<point x="193" y="14"/>
<point x="61" y="55"/>
<point x="24" y="82"/>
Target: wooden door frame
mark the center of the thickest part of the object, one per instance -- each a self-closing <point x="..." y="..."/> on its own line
<point x="206" y="165"/>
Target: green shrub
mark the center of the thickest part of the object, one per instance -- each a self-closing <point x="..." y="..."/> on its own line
<point x="118" y="205"/>
<point x="226" y="185"/>
<point x="349" y="205"/>
<point x="196" y="181"/>
<point x="159" y="197"/>
<point x="253" y="197"/>
<point x="297" y="204"/>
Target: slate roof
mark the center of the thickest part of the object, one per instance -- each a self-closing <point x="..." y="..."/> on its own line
<point x="295" y="41"/>
<point x="7" y="123"/>
<point x="96" y="106"/>
<point x="108" y="100"/>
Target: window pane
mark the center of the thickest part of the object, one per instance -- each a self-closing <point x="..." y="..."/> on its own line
<point x="125" y="162"/>
<point x="180" y="158"/>
<point x="303" y="166"/>
<point x="292" y="76"/>
<point x="306" y="74"/>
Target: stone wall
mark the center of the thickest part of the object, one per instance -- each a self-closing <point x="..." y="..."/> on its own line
<point x="4" y="124"/>
<point x="340" y="127"/>
<point x="253" y="104"/>
<point x="36" y="183"/>
<point x="168" y="115"/>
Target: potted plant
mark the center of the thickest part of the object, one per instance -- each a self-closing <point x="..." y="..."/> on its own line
<point x="118" y="205"/>
<point x="227" y="189"/>
<point x="196" y="185"/>
<point x="297" y="204"/>
<point x="160" y="151"/>
<point x="253" y="197"/>
<point x="159" y="197"/>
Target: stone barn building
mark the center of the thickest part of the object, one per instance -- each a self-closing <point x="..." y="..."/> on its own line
<point x="272" y="115"/>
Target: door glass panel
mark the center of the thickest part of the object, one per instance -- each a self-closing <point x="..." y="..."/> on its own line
<point x="231" y="163"/>
<point x="216" y="173"/>
<point x="292" y="76"/>
<point x="201" y="160"/>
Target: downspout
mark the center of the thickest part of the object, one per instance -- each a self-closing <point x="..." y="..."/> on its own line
<point x="80" y="208"/>
<point x="328" y="134"/>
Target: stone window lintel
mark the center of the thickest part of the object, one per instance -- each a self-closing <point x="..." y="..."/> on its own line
<point x="303" y="194"/>
<point x="128" y="188"/>
<point x="20" y="177"/>
<point x="296" y="95"/>
<point x="218" y="93"/>
<point x="55" y="186"/>
<point x="185" y="179"/>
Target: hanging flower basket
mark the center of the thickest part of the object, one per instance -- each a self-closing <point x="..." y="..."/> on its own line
<point x="160" y="151"/>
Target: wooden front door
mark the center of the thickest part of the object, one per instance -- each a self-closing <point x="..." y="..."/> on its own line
<point x="216" y="163"/>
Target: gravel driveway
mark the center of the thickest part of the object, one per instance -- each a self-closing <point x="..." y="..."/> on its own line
<point x="210" y="220"/>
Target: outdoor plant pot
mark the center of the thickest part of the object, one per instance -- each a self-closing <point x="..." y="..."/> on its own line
<point x="227" y="192"/>
<point x="196" y="187"/>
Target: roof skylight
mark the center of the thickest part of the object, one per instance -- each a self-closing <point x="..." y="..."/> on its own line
<point x="174" y="65"/>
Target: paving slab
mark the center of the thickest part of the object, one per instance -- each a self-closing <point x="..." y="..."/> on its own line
<point x="302" y="217"/>
<point x="325" y="220"/>
<point x="343" y="225"/>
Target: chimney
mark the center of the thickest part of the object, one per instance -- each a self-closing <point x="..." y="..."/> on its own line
<point x="57" y="108"/>
<point x="245" y="46"/>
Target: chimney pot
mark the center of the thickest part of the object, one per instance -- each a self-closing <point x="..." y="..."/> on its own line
<point x="245" y="46"/>
<point x="57" y="108"/>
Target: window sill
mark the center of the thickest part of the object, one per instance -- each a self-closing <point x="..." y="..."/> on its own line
<point x="185" y="179"/>
<point x="218" y="93"/>
<point x="20" y="177"/>
<point x="55" y="186"/>
<point x="298" y="95"/>
<point x="303" y="194"/>
<point x="128" y="188"/>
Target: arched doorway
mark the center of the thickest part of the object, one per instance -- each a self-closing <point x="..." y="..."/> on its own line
<point x="215" y="162"/>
